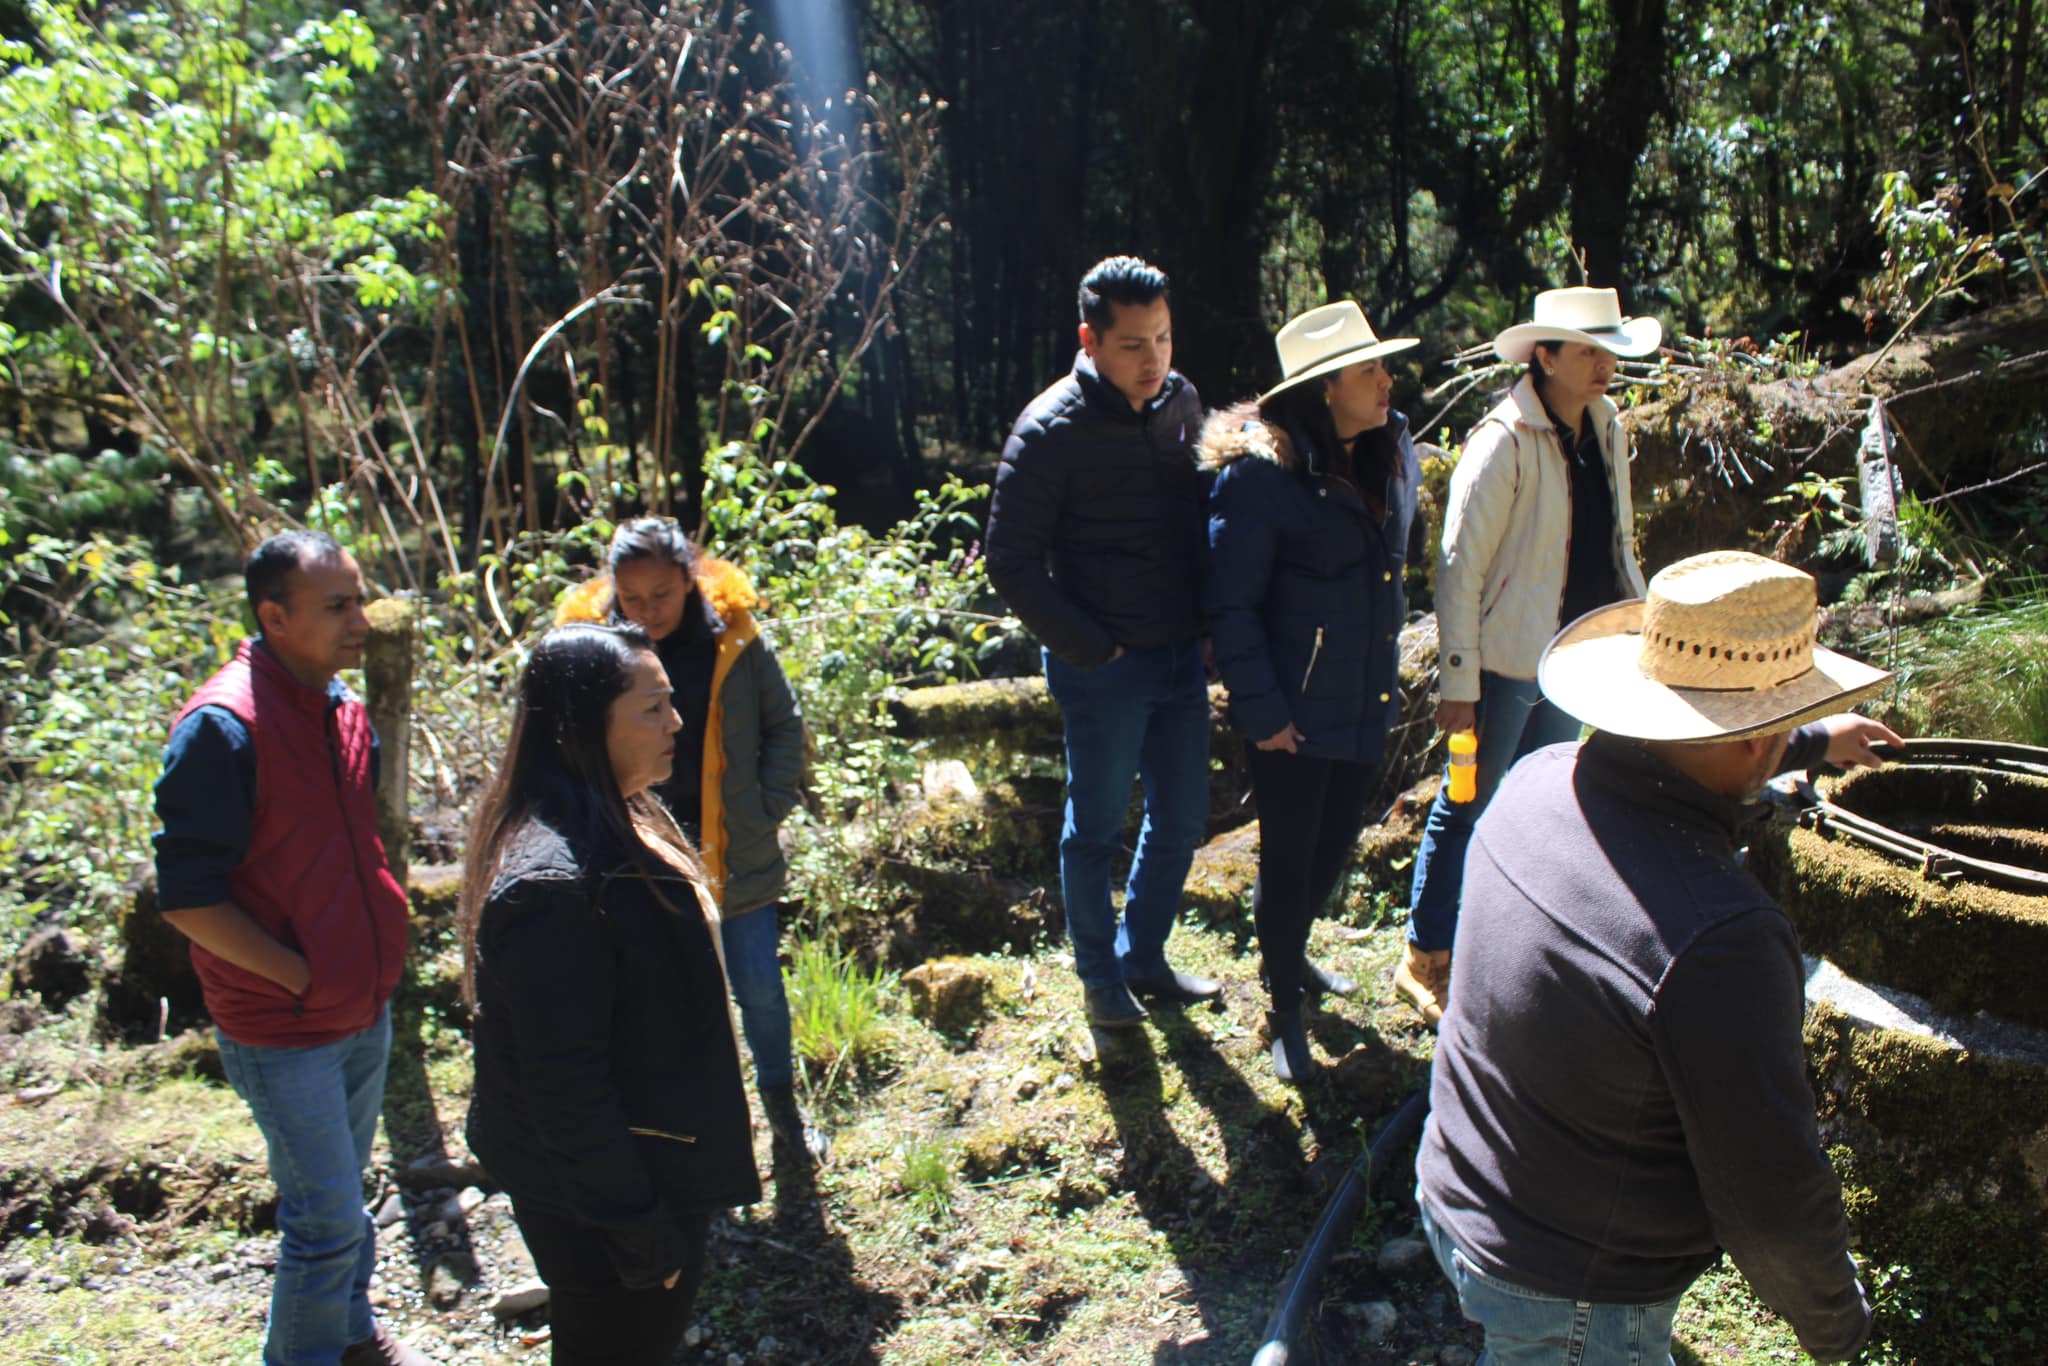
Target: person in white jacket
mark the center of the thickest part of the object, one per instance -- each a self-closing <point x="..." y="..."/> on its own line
<point x="1538" y="531"/>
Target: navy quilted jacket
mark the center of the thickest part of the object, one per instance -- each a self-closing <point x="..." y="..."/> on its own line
<point x="1303" y="588"/>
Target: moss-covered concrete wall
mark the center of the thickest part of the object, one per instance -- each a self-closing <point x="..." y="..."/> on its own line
<point x="1965" y="946"/>
<point x="1943" y="1156"/>
<point x="1007" y="730"/>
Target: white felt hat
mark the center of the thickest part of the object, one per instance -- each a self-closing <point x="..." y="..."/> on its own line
<point x="1580" y="315"/>
<point x="1326" y="339"/>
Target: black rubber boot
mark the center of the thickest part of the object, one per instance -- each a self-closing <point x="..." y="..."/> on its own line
<point x="795" y="1138"/>
<point x="1318" y="981"/>
<point x="1174" y="988"/>
<point x="1114" y="1007"/>
<point x="1292" y="1062"/>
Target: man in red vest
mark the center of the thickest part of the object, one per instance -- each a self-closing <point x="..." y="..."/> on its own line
<point x="269" y="862"/>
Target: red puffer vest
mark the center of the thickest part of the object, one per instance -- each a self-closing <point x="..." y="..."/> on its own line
<point x="314" y="876"/>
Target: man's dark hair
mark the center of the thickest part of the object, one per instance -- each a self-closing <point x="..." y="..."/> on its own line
<point x="271" y="565"/>
<point x="1118" y="280"/>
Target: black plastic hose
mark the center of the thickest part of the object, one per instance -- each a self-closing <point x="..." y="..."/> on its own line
<point x="1298" y="1291"/>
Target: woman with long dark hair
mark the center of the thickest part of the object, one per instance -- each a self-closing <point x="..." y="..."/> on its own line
<point x="1309" y="520"/>
<point x="738" y="772"/>
<point x="1539" y="530"/>
<point x="608" y="1098"/>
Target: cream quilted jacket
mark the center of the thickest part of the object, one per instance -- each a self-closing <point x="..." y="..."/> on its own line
<point x="1507" y="528"/>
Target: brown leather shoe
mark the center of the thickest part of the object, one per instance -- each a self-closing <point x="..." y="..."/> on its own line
<point x="382" y="1349"/>
<point x="1423" y="980"/>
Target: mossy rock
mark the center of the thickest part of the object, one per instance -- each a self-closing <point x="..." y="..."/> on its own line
<point x="1020" y="709"/>
<point x="1008" y="1148"/>
<point x="193" y="1053"/>
<point x="434" y="891"/>
<point x="1943" y="1156"/>
<point x="153" y="986"/>
<point x="944" y="910"/>
<point x="1220" y="879"/>
<point x="1010" y="828"/>
<point x="950" y="994"/>
<point x="1965" y="946"/>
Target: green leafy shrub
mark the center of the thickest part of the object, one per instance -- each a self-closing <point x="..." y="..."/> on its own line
<point x="104" y="646"/>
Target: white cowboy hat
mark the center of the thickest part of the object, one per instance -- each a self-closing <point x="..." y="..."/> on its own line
<point x="1722" y="648"/>
<point x="1578" y="314"/>
<point x="1326" y="339"/>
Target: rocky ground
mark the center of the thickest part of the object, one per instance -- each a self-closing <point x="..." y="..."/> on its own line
<point x="1004" y="1186"/>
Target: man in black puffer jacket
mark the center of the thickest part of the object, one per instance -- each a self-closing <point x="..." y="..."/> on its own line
<point x="1095" y="540"/>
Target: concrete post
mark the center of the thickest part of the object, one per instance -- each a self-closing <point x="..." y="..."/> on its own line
<point x="387" y="690"/>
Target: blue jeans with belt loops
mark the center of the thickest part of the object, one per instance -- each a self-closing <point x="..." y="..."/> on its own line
<point x="1145" y="716"/>
<point x="317" y="1110"/>
<point x="1525" y="1328"/>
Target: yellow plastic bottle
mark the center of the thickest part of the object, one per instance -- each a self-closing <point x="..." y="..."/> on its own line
<point x="1464" y="766"/>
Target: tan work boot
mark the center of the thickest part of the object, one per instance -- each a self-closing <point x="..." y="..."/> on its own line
<point x="1423" y="980"/>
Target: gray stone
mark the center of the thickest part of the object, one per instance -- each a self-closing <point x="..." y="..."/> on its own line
<point x="695" y="1336"/>
<point x="1376" y="1317"/>
<point x="57" y="964"/>
<point x="470" y="1198"/>
<point x="1455" y="1356"/>
<point x="1405" y="1258"/>
<point x="391" y="1211"/>
<point x="522" y="1298"/>
<point x="449" y="1278"/>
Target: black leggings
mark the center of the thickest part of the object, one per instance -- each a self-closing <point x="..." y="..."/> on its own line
<point x="593" y="1319"/>
<point x="1310" y="814"/>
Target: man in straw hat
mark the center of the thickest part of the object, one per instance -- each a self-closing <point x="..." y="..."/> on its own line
<point x="1620" y="1088"/>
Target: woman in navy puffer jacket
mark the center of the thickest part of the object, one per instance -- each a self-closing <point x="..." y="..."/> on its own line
<point x="1309" y="520"/>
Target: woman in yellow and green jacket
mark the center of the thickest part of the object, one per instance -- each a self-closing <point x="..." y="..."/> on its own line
<point x="738" y="768"/>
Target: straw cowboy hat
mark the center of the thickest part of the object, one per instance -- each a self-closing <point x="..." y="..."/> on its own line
<point x="1585" y="315"/>
<point x="1721" y="649"/>
<point x="1326" y="339"/>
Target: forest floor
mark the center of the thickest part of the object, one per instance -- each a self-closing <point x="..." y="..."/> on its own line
<point x="1018" y="1191"/>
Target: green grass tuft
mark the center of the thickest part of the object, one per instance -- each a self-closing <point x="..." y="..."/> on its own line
<point x="835" y="1013"/>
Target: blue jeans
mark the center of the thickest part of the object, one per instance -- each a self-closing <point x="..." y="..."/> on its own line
<point x="753" y="965"/>
<point x="1514" y="719"/>
<point x="317" y="1109"/>
<point x="1143" y="715"/>
<point x="1524" y="1328"/>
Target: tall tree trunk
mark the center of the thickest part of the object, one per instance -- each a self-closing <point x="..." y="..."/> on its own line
<point x="1614" y="128"/>
<point x="2018" y="54"/>
<point x="1221" y="336"/>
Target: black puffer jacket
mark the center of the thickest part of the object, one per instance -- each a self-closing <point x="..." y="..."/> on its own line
<point x="1095" y="533"/>
<point x="607" y="1079"/>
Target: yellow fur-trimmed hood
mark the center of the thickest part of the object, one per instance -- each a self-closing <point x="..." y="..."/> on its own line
<point x="725" y="587"/>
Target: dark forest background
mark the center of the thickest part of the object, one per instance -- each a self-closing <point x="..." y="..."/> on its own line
<point x="878" y="281"/>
